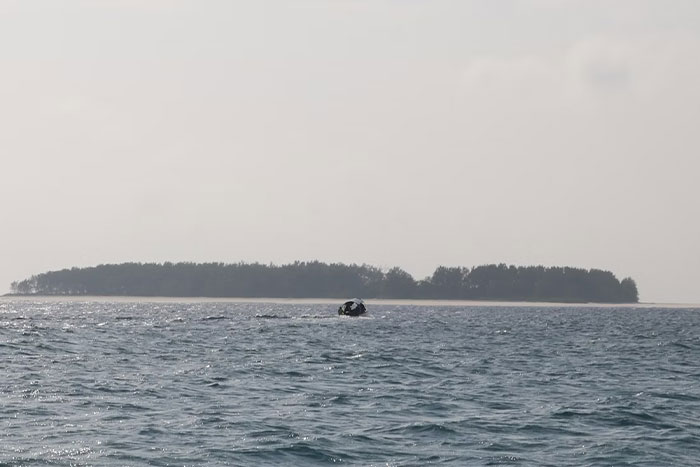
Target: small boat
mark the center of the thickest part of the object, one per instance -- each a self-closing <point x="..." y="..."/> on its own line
<point x="354" y="307"/>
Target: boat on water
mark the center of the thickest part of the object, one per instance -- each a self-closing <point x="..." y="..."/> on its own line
<point x="354" y="307"/>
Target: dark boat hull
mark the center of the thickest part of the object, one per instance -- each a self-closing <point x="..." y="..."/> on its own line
<point x="352" y="307"/>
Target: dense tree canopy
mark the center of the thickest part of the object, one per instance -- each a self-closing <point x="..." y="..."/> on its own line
<point x="317" y="279"/>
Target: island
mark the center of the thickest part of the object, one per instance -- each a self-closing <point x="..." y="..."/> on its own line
<point x="315" y="279"/>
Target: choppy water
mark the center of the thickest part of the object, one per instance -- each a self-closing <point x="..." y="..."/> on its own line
<point x="90" y="383"/>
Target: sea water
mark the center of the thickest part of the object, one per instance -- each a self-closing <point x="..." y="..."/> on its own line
<point x="254" y="384"/>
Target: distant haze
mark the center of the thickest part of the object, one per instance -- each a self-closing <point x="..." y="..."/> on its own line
<point x="411" y="133"/>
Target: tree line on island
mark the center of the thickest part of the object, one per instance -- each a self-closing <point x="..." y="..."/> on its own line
<point x="316" y="279"/>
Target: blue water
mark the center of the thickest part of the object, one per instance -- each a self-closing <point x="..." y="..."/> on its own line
<point x="251" y="384"/>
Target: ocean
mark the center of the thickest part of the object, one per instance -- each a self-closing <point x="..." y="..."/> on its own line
<point x="184" y="383"/>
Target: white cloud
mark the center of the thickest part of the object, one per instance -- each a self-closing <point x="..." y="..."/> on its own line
<point x="599" y="69"/>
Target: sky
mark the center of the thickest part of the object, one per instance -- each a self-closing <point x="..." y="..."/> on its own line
<point x="410" y="133"/>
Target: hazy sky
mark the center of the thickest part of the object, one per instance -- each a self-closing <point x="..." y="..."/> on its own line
<point x="413" y="133"/>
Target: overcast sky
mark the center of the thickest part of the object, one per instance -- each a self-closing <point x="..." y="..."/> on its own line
<point x="411" y="133"/>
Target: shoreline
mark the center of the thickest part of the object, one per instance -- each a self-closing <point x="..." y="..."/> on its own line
<point x="311" y="301"/>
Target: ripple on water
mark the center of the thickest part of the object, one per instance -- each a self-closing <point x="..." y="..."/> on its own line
<point x="95" y="383"/>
